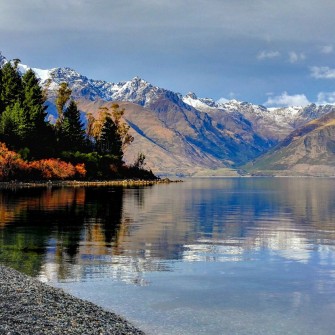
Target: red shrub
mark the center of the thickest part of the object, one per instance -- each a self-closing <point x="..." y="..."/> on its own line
<point x="80" y="170"/>
<point x="11" y="164"/>
<point x="52" y="168"/>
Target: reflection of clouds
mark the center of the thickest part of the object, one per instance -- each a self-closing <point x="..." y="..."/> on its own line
<point x="49" y="272"/>
<point x="128" y="269"/>
<point x="294" y="248"/>
<point x="122" y="235"/>
<point x="211" y="251"/>
<point x="287" y="217"/>
<point x="193" y="223"/>
<point x="278" y="236"/>
<point x="326" y="255"/>
<point x="287" y="243"/>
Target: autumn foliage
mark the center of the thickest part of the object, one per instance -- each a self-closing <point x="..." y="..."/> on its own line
<point x="12" y="166"/>
<point x="32" y="140"/>
<point x="52" y="168"/>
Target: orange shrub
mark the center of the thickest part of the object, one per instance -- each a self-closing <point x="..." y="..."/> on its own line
<point x="11" y="164"/>
<point x="80" y="170"/>
<point x="52" y="168"/>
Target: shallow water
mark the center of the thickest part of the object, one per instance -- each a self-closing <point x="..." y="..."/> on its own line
<point x="207" y="256"/>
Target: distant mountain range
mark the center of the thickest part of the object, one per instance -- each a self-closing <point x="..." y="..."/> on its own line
<point x="308" y="150"/>
<point x="187" y="135"/>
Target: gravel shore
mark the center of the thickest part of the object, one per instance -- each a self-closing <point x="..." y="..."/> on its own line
<point x="28" y="306"/>
<point x="75" y="183"/>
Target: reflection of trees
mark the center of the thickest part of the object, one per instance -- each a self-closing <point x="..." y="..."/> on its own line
<point x="104" y="209"/>
<point x="70" y="233"/>
<point x="78" y="232"/>
<point x="30" y="217"/>
<point x="104" y="251"/>
<point x="139" y="194"/>
<point x="39" y="223"/>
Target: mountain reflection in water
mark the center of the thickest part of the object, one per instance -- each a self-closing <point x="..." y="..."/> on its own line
<point x="71" y="234"/>
<point x="207" y="256"/>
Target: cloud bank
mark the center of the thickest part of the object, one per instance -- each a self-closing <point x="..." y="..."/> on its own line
<point x="326" y="98"/>
<point x="285" y="100"/>
<point x="210" y="47"/>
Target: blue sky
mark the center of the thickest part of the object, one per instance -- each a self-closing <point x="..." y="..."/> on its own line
<point x="263" y="51"/>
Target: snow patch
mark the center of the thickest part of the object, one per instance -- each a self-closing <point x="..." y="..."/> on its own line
<point x="43" y="75"/>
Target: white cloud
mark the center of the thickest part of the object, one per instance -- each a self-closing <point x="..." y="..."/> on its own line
<point x="295" y="57"/>
<point x="267" y="54"/>
<point x="327" y="49"/>
<point x="326" y="98"/>
<point x="222" y="101"/>
<point x="285" y="100"/>
<point x="322" y="72"/>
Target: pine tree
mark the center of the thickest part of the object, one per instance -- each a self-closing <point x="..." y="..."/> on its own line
<point x="12" y="125"/>
<point x="34" y="115"/>
<point x="109" y="141"/>
<point x="11" y="111"/>
<point x="11" y="86"/>
<point x="72" y="134"/>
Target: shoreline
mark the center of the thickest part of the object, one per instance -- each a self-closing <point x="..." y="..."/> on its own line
<point x="80" y="183"/>
<point x="28" y="306"/>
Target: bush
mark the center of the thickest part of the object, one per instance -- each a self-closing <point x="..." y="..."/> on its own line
<point x="97" y="166"/>
<point x="12" y="166"/>
<point x="56" y="169"/>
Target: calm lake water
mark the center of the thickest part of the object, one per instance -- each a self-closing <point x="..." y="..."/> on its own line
<point x="207" y="256"/>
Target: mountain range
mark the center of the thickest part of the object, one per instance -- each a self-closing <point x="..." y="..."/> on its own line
<point x="308" y="150"/>
<point x="187" y="135"/>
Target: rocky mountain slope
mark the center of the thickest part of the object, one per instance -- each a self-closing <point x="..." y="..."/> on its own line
<point x="309" y="150"/>
<point x="182" y="134"/>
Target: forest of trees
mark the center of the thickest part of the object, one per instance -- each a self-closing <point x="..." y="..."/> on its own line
<point x="33" y="148"/>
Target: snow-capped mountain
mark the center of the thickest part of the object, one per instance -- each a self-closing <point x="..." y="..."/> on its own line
<point x="145" y="94"/>
<point x="199" y="103"/>
<point x="191" y="133"/>
<point x="308" y="150"/>
<point x="273" y="123"/>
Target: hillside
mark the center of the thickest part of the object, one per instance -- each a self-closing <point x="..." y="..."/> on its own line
<point x="309" y="150"/>
<point x="182" y="134"/>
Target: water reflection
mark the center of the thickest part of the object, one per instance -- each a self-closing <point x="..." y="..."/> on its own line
<point x="43" y="224"/>
<point x="62" y="234"/>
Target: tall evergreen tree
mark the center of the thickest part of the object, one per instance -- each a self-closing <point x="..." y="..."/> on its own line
<point x="72" y="134"/>
<point x="11" y="91"/>
<point x="109" y="141"/>
<point x="35" y="113"/>
<point x="12" y="125"/>
<point x="11" y="110"/>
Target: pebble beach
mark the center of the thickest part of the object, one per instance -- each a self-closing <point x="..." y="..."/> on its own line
<point x="28" y="306"/>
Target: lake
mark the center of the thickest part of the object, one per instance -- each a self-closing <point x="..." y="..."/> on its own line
<point x="206" y="256"/>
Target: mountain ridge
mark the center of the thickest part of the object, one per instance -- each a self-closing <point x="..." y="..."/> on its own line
<point x="191" y="133"/>
<point x="309" y="150"/>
